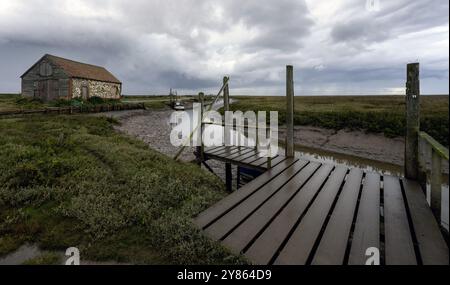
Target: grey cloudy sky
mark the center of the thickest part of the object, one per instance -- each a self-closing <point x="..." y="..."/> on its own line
<point x="336" y="47"/>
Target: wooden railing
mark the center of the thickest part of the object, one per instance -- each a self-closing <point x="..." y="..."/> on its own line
<point x="432" y="154"/>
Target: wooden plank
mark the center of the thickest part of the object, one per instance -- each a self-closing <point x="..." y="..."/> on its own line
<point x="399" y="248"/>
<point x="240" y="153"/>
<point x="251" y="159"/>
<point x="245" y="156"/>
<point x="231" y="219"/>
<point x="209" y="215"/>
<point x="432" y="246"/>
<point x="334" y="241"/>
<point x="367" y="227"/>
<point x="264" y="248"/>
<point x="242" y="235"/>
<point x="226" y="151"/>
<point x="263" y="160"/>
<point x="300" y="244"/>
<point x="274" y="161"/>
<point x="214" y="149"/>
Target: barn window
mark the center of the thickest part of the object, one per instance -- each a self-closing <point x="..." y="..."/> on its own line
<point x="45" y="69"/>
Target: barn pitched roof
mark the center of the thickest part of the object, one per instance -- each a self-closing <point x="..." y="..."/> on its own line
<point x="81" y="70"/>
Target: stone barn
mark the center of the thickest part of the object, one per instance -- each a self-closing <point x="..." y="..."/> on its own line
<point x="53" y="78"/>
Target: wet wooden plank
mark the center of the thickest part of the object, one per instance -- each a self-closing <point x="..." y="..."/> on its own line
<point x="251" y="159"/>
<point x="331" y="250"/>
<point x="231" y="219"/>
<point x="243" y="157"/>
<point x="242" y="235"/>
<point x="274" y="161"/>
<point x="300" y="244"/>
<point x="226" y="151"/>
<point x="265" y="247"/>
<point x="214" y="149"/>
<point x="367" y="227"/>
<point x="209" y="215"/>
<point x="240" y="153"/>
<point x="399" y="248"/>
<point x="263" y="160"/>
<point x="432" y="246"/>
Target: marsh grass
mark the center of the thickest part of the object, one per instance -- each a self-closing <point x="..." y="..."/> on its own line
<point x="377" y="114"/>
<point x="10" y="102"/>
<point x="72" y="181"/>
<point x="47" y="258"/>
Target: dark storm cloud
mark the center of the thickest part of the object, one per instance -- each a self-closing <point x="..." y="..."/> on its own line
<point x="393" y="19"/>
<point x="190" y="44"/>
<point x="282" y="26"/>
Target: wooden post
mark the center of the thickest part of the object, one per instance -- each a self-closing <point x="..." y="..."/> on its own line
<point x="412" y="122"/>
<point x="201" y="148"/>
<point x="226" y="107"/>
<point x="436" y="185"/>
<point x="290" y="111"/>
<point x="256" y="137"/>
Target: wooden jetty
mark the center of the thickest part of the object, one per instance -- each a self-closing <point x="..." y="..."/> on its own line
<point x="304" y="212"/>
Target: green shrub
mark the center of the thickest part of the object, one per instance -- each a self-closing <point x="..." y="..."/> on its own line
<point x="73" y="181"/>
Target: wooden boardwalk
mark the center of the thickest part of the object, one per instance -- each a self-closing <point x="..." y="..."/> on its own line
<point x="304" y="212"/>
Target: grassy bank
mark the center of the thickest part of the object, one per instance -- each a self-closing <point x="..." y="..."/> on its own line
<point x="151" y="102"/>
<point x="379" y="114"/>
<point x="10" y="102"/>
<point x="72" y="181"/>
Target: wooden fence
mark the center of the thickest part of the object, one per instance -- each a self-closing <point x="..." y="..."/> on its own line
<point x="76" y="109"/>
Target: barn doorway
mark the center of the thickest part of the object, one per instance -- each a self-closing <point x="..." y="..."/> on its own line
<point x="48" y="90"/>
<point x="84" y="92"/>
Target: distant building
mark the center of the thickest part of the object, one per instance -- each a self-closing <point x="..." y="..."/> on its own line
<point x="54" y="78"/>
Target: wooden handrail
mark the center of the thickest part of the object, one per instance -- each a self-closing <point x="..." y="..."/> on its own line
<point x="225" y="84"/>
<point x="435" y="145"/>
<point x="438" y="153"/>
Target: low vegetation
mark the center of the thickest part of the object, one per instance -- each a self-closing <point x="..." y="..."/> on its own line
<point x="379" y="114"/>
<point x="151" y="102"/>
<point x="9" y="102"/>
<point x="72" y="181"/>
<point x="47" y="258"/>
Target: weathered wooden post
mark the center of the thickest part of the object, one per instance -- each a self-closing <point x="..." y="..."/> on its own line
<point x="290" y="111"/>
<point x="412" y="121"/>
<point x="226" y="107"/>
<point x="269" y="157"/>
<point x="201" y="148"/>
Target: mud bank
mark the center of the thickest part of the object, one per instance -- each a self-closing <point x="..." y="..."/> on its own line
<point x="152" y="127"/>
